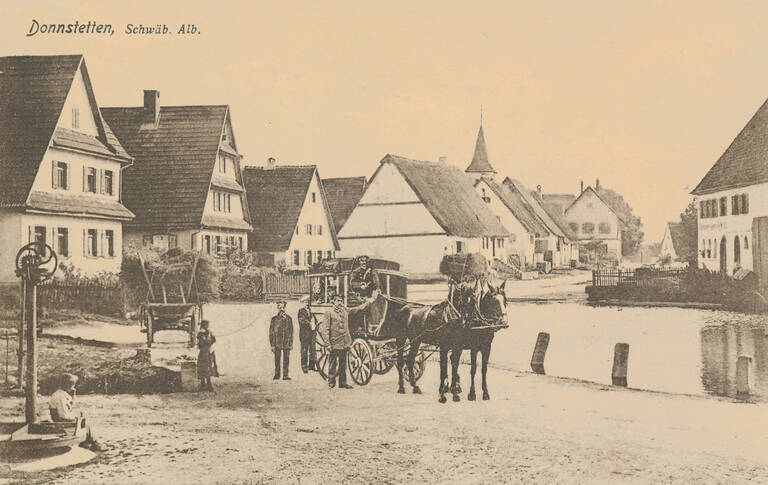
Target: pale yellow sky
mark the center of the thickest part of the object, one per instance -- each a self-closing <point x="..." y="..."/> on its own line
<point x="645" y="96"/>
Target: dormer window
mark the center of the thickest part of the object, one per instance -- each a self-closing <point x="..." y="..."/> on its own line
<point x="75" y="118"/>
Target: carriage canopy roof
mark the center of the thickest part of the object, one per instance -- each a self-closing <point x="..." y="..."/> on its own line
<point x="338" y="265"/>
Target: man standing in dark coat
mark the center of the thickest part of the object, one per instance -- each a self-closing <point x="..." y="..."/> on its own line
<point x="337" y="335"/>
<point x="306" y="337"/>
<point x="281" y="339"/>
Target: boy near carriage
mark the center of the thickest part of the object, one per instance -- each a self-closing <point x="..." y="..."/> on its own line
<point x="281" y="339"/>
<point x="306" y="337"/>
<point x="336" y="331"/>
<point x="206" y="357"/>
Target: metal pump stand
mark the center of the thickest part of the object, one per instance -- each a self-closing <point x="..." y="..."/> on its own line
<point x="29" y="267"/>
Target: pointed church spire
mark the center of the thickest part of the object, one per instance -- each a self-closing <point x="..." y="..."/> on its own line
<point x="480" y="163"/>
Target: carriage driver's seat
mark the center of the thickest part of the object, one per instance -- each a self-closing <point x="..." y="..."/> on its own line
<point x="368" y="316"/>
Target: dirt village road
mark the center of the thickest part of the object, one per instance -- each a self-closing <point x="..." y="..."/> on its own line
<point x="535" y="429"/>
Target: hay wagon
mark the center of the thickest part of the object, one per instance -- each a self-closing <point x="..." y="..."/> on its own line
<point x="372" y="351"/>
<point x="158" y="313"/>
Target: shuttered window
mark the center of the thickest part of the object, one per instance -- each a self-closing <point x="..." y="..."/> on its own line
<point x="62" y="242"/>
<point x="60" y="175"/>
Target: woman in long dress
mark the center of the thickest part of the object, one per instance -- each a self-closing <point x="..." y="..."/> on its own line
<point x="206" y="359"/>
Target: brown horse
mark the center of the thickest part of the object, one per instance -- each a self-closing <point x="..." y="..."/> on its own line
<point x="437" y="325"/>
<point x="490" y="317"/>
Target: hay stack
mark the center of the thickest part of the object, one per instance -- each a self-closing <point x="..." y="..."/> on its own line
<point x="170" y="269"/>
<point x="465" y="267"/>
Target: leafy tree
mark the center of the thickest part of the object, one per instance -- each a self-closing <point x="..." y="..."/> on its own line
<point x="689" y="236"/>
<point x="631" y="225"/>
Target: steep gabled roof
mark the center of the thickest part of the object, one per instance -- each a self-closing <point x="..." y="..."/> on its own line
<point x="535" y="206"/>
<point x="593" y="191"/>
<point x="343" y="195"/>
<point x="33" y="90"/>
<point x="449" y="196"/>
<point x="744" y="162"/>
<point x="168" y="184"/>
<point x="676" y="234"/>
<point x="555" y="205"/>
<point x="555" y="212"/>
<point x="480" y="163"/>
<point x="517" y="205"/>
<point x="275" y="199"/>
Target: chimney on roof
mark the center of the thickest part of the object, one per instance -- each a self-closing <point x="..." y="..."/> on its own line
<point x="151" y="106"/>
<point x="582" y="188"/>
<point x="443" y="160"/>
<point x="597" y="183"/>
<point x="271" y="163"/>
<point x="538" y="192"/>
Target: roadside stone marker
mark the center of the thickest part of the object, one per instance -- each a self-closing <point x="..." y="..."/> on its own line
<point x="744" y="376"/>
<point x="620" y="361"/>
<point x="539" y="352"/>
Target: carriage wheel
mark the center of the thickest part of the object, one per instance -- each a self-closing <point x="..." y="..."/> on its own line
<point x="419" y="362"/>
<point x="360" y="362"/>
<point x="386" y="356"/>
<point x="322" y="350"/>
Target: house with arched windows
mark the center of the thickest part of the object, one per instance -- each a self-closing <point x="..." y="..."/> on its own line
<point x="731" y="194"/>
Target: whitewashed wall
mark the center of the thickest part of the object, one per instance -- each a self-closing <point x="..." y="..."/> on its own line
<point x="731" y="226"/>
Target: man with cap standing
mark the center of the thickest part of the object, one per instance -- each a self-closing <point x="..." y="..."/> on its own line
<point x="337" y="333"/>
<point x="281" y="339"/>
<point x="306" y="336"/>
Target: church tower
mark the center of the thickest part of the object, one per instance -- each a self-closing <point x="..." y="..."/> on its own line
<point x="480" y="167"/>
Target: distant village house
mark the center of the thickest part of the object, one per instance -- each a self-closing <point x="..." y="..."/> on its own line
<point x="593" y="220"/>
<point x="290" y="214"/>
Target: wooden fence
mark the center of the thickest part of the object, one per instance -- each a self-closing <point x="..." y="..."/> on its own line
<point x="641" y="277"/>
<point x="286" y="284"/>
<point x="100" y="299"/>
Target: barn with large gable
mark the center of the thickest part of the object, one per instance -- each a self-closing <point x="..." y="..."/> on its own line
<point x="414" y="212"/>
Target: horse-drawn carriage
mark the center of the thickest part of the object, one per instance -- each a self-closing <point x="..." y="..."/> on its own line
<point x="373" y="350"/>
<point x="385" y="326"/>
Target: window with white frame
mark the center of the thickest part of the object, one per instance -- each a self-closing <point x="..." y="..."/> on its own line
<point x="89" y="179"/>
<point x="91" y="246"/>
<point x="308" y="229"/>
<point x="62" y="241"/>
<point x="60" y="175"/>
<point x="109" y="243"/>
<point x="107" y="182"/>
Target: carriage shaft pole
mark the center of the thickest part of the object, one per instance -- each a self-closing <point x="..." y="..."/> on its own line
<point x="31" y="388"/>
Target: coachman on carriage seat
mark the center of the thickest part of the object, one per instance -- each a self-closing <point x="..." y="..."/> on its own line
<point x="364" y="280"/>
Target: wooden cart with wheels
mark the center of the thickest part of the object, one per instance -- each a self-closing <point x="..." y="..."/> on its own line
<point x="185" y="315"/>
